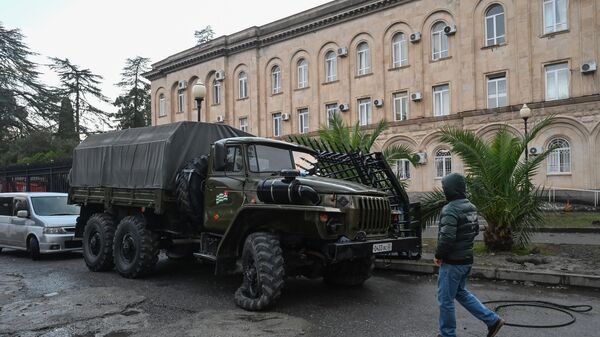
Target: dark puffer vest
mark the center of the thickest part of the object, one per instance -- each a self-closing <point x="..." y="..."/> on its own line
<point x="458" y="223"/>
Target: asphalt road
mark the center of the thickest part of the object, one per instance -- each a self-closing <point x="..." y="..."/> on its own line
<point x="185" y="299"/>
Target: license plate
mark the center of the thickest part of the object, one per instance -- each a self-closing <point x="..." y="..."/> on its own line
<point x="382" y="247"/>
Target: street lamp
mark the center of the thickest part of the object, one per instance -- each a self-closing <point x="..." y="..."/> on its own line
<point x="525" y="113"/>
<point x="199" y="92"/>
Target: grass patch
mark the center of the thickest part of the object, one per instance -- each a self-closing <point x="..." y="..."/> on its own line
<point x="571" y="219"/>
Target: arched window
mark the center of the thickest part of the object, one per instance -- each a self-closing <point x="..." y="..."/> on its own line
<point x="443" y="163"/>
<point x="494" y="25"/>
<point x="559" y="160"/>
<point x="399" y="50"/>
<point x="243" y="85"/>
<point x="439" y="41"/>
<point x="363" y="59"/>
<point x="216" y="92"/>
<point x="275" y="80"/>
<point x="330" y="66"/>
<point x="162" y="105"/>
<point x="302" y="73"/>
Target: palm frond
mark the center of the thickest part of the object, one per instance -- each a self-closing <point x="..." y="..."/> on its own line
<point x="431" y="206"/>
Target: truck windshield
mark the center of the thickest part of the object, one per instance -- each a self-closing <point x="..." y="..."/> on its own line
<point x="53" y="205"/>
<point x="263" y="158"/>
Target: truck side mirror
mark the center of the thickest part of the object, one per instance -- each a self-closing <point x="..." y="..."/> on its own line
<point x="220" y="157"/>
<point x="22" y="213"/>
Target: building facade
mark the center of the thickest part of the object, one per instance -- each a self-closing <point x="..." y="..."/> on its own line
<point x="420" y="64"/>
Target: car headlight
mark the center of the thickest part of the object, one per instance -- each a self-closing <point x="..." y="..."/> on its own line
<point x="54" y="230"/>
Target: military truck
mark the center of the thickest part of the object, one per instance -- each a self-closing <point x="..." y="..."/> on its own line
<point x="265" y="208"/>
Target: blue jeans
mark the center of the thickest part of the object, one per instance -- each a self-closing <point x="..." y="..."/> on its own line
<point x="451" y="285"/>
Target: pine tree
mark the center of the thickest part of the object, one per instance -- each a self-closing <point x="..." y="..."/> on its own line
<point x="134" y="104"/>
<point x="204" y="35"/>
<point x="66" y="123"/>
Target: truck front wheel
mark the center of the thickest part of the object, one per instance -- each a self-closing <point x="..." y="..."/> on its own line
<point x="262" y="262"/>
<point x="135" y="247"/>
<point x="98" y="242"/>
<point x="350" y="273"/>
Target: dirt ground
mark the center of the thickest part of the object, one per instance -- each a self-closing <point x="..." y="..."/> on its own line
<point x="572" y="259"/>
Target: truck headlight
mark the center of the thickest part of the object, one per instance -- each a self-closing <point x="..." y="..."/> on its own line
<point x="54" y="230"/>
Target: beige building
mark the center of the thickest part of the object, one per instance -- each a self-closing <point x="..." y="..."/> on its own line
<point x="420" y="64"/>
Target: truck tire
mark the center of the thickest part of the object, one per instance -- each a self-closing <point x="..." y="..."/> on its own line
<point x="135" y="247"/>
<point x="262" y="262"/>
<point x="350" y="273"/>
<point x="98" y="242"/>
<point x="190" y="196"/>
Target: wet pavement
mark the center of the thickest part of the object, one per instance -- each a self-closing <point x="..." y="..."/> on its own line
<point x="59" y="297"/>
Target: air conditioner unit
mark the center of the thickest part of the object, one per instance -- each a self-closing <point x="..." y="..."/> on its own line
<point x="378" y="102"/>
<point x="285" y="116"/>
<point x="415" y="37"/>
<point x="588" y="67"/>
<point x="534" y="151"/>
<point x="182" y="85"/>
<point x="342" y="52"/>
<point x="449" y="30"/>
<point x="220" y="119"/>
<point x="220" y="75"/>
<point x="422" y="157"/>
<point x="416" y="96"/>
<point x="344" y="107"/>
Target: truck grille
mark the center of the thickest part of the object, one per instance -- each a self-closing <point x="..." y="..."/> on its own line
<point x="375" y="214"/>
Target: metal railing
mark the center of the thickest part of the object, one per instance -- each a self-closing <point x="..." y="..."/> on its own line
<point x="574" y="195"/>
<point x="39" y="177"/>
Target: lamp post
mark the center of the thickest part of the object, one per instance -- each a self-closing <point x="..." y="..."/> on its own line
<point x="525" y="113"/>
<point x="199" y="92"/>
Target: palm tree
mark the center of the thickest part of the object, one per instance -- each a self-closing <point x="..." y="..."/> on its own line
<point x="498" y="182"/>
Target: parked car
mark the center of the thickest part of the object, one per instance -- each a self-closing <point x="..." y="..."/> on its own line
<point x="38" y="222"/>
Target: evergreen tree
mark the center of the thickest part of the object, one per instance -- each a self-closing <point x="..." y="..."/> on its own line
<point x="79" y="85"/>
<point x="204" y="35"/>
<point x="66" y="123"/>
<point x="134" y="104"/>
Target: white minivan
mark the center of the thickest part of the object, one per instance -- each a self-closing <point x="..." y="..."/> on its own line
<point x="38" y="222"/>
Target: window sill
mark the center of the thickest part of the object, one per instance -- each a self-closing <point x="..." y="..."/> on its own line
<point x="363" y="75"/>
<point x="276" y="93"/>
<point x="441" y="116"/>
<point x="180" y="112"/>
<point x="242" y="99"/>
<point x="330" y="82"/>
<point x="558" y="174"/>
<point x="556" y="99"/>
<point x="550" y="35"/>
<point x="215" y="104"/>
<point x="440" y="59"/>
<point x="163" y="116"/>
<point x="494" y="46"/>
<point x="399" y="67"/>
<point x="300" y="89"/>
<point x="400" y="120"/>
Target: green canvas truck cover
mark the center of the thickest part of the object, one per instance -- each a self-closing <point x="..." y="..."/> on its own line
<point x="148" y="157"/>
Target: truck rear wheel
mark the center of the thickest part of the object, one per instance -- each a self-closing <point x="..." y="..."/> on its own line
<point x="190" y="196"/>
<point x="135" y="247"/>
<point x="350" y="273"/>
<point x="262" y="262"/>
<point x="98" y="242"/>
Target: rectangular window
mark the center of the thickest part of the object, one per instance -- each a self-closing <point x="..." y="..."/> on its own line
<point x="494" y="27"/>
<point x="331" y="111"/>
<point x="364" y="66"/>
<point x="496" y="91"/>
<point x="400" y="106"/>
<point x="443" y="163"/>
<point x="277" y="124"/>
<point x="217" y="92"/>
<point x="555" y="15"/>
<point x="244" y="124"/>
<point x="6" y="206"/>
<point x="243" y="82"/>
<point x="402" y="169"/>
<point x="180" y="101"/>
<point x="331" y="66"/>
<point x="162" y="106"/>
<point x="557" y="81"/>
<point x="441" y="100"/>
<point x="399" y="51"/>
<point x="364" y="111"/>
<point x="276" y="78"/>
<point x="303" y="75"/>
<point x="303" y="120"/>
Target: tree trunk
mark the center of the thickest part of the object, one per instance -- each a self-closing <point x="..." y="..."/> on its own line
<point x="498" y="238"/>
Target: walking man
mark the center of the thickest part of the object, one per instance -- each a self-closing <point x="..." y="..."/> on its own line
<point x="454" y="255"/>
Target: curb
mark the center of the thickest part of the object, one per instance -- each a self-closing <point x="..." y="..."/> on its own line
<point x="568" y="230"/>
<point x="576" y="280"/>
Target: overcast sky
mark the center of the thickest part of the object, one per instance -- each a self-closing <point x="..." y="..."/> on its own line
<point x="101" y="34"/>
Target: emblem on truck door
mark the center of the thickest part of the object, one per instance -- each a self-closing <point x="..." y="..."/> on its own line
<point x="222" y="197"/>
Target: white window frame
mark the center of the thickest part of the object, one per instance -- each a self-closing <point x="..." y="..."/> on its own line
<point x="365" y="111"/>
<point x="303" y="122"/>
<point x="559" y="159"/>
<point x="494" y="39"/>
<point x="275" y="80"/>
<point x="277" y="124"/>
<point x="243" y="121"/>
<point x="180" y="100"/>
<point x="495" y="94"/>
<point x="243" y="85"/>
<point x="550" y="24"/>
<point x="162" y="105"/>
<point x="216" y="92"/>
<point x="399" y="50"/>
<point x="443" y="92"/>
<point x="302" y="73"/>
<point x="402" y="169"/>
<point x="330" y="66"/>
<point x="400" y="105"/>
<point x="437" y="37"/>
<point x="552" y="73"/>
<point x="330" y="109"/>
<point x="443" y="163"/>
<point x="363" y="59"/>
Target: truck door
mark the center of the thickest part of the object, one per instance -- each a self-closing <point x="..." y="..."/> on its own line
<point x="224" y="191"/>
<point x="6" y="204"/>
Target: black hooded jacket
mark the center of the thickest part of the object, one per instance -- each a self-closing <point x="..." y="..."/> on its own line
<point x="458" y="223"/>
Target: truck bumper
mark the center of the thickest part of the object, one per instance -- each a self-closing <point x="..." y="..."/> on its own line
<point x="351" y="250"/>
